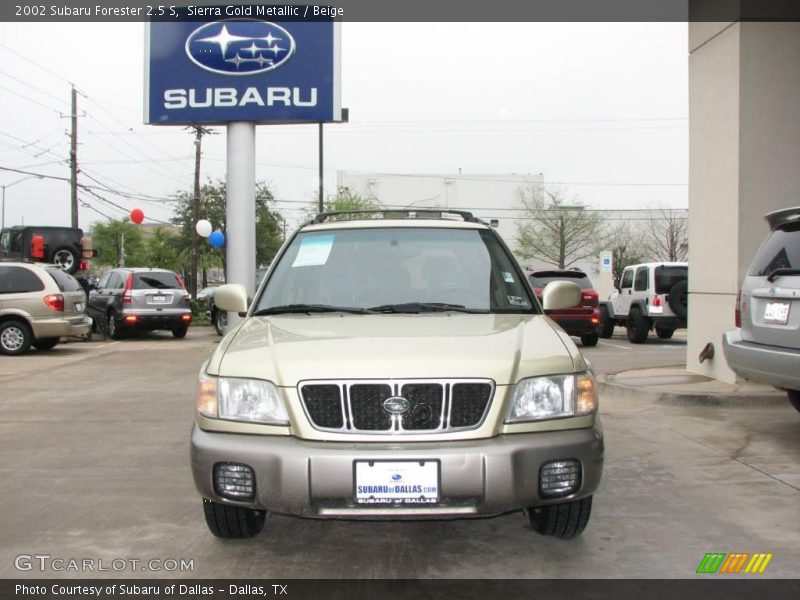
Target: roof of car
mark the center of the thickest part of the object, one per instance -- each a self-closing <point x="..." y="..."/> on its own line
<point x="385" y="223"/>
<point x="777" y="218"/>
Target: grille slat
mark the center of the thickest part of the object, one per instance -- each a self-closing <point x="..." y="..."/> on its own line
<point x="433" y="406"/>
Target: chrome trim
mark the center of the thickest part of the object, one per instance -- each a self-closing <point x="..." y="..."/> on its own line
<point x="395" y="386"/>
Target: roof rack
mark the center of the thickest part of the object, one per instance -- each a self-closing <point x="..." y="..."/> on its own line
<point x="388" y="213"/>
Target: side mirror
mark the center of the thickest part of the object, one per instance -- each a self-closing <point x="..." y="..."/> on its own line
<point x="561" y="294"/>
<point x="616" y="284"/>
<point x="231" y="297"/>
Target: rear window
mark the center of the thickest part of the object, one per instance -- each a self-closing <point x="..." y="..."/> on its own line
<point x="781" y="250"/>
<point x="65" y="281"/>
<point x="539" y="280"/>
<point x="666" y="277"/>
<point x="155" y="281"/>
<point x="19" y="280"/>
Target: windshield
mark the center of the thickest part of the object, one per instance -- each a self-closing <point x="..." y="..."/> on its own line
<point x="397" y="270"/>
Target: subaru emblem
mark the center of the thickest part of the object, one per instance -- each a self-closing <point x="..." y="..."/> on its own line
<point x="397" y="477"/>
<point x="239" y="47"/>
<point x="396" y="405"/>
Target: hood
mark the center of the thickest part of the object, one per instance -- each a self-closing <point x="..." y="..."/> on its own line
<point x="286" y="349"/>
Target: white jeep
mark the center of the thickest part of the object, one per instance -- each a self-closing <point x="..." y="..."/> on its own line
<point x="649" y="296"/>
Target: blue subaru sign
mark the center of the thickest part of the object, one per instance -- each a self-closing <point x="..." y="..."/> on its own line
<point x="241" y="70"/>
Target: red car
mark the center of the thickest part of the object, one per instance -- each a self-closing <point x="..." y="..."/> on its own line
<point x="582" y="321"/>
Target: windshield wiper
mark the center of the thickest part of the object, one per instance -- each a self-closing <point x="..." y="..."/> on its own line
<point x="418" y="307"/>
<point x="309" y="308"/>
<point x="780" y="272"/>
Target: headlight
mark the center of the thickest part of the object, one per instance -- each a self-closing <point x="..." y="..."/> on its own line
<point x="250" y="400"/>
<point x="539" y="398"/>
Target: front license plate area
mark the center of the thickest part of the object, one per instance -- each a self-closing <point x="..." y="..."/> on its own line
<point x="776" y="312"/>
<point x="396" y="482"/>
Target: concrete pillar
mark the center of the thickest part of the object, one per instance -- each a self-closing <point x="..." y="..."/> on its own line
<point x="744" y="148"/>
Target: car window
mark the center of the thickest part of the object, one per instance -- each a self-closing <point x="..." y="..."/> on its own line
<point x="781" y="250"/>
<point x="640" y="283"/>
<point x="19" y="280"/>
<point x="367" y="268"/>
<point x="155" y="280"/>
<point x="627" y="279"/>
<point x="668" y="276"/>
<point x="542" y="279"/>
<point x="115" y="282"/>
<point x="65" y="281"/>
<point x="103" y="283"/>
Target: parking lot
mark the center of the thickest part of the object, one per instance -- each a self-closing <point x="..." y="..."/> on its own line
<point x="96" y="468"/>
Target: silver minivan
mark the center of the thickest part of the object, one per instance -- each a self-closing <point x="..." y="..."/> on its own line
<point x="765" y="346"/>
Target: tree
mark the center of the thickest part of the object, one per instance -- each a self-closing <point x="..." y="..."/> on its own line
<point x="108" y="238"/>
<point x="344" y="200"/>
<point x="667" y="236"/>
<point x="212" y="207"/>
<point x="626" y="248"/>
<point x="555" y="231"/>
<point x="162" y="250"/>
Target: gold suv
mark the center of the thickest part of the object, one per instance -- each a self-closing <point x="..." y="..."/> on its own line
<point x="39" y="304"/>
<point x="396" y="365"/>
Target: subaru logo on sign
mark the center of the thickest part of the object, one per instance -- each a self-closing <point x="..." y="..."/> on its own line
<point x="396" y="405"/>
<point x="239" y="47"/>
<point x="397" y="477"/>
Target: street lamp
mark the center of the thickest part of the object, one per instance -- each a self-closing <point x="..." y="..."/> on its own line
<point x="3" y="205"/>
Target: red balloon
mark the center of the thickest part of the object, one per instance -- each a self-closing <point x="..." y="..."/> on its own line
<point x="137" y="215"/>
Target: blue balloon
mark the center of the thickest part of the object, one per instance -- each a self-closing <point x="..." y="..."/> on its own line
<point x="216" y="239"/>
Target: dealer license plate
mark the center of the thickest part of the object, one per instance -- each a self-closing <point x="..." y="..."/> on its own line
<point x="78" y="307"/>
<point x="160" y="299"/>
<point x="397" y="482"/>
<point x="776" y="312"/>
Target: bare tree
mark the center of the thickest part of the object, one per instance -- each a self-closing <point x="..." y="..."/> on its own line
<point x="667" y="236"/>
<point x="627" y="248"/>
<point x="555" y="231"/>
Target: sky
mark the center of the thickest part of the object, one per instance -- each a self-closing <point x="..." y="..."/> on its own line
<point x="600" y="109"/>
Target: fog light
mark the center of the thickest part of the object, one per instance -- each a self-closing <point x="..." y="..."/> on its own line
<point x="234" y="481"/>
<point x="559" y="478"/>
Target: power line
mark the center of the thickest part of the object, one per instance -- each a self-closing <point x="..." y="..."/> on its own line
<point x="27" y="59"/>
<point x="28" y="99"/>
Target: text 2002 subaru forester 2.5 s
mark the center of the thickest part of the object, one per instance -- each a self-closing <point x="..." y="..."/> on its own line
<point x="396" y="365"/>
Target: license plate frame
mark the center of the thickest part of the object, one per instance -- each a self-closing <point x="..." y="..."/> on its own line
<point x="159" y="299"/>
<point x="79" y="307"/>
<point x="777" y="312"/>
<point x="397" y="482"/>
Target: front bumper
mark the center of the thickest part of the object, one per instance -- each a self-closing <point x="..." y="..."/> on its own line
<point x="772" y="365"/>
<point x="61" y="327"/>
<point x="478" y="478"/>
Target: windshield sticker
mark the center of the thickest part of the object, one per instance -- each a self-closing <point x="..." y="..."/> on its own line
<point x="508" y="277"/>
<point x="314" y="251"/>
<point x="517" y="301"/>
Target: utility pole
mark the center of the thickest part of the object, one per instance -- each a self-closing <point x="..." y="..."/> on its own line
<point x="73" y="158"/>
<point x="321" y="202"/>
<point x="199" y="132"/>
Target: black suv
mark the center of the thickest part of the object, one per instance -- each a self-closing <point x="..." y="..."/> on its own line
<point x="127" y="300"/>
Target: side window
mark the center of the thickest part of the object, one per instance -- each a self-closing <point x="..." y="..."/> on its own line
<point x="103" y="283"/>
<point x="115" y="282"/>
<point x="627" y="279"/>
<point x="640" y="284"/>
<point x="19" y="280"/>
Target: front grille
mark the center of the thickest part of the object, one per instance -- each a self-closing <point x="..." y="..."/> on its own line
<point x="425" y="406"/>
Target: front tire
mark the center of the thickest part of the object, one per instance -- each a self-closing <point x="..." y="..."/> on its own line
<point x="15" y="337"/>
<point x="589" y="339"/>
<point x="220" y="321"/>
<point x="664" y="333"/>
<point x="563" y="521"/>
<point x="606" y="324"/>
<point x="46" y="343"/>
<point x="232" y="522"/>
<point x="794" y="398"/>
<point x="638" y="327"/>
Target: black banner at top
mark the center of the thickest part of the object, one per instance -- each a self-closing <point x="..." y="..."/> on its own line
<point x="409" y="10"/>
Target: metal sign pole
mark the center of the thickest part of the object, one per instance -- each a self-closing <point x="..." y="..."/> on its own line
<point x="240" y="237"/>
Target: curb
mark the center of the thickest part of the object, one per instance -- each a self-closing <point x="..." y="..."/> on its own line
<point x="776" y="399"/>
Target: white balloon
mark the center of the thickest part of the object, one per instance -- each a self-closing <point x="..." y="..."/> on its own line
<point x="203" y="228"/>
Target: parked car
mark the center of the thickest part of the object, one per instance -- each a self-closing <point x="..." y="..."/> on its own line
<point x="219" y="318"/>
<point x="39" y="304"/>
<point x="396" y="368"/>
<point x="765" y="345"/>
<point x="65" y="247"/>
<point x="128" y="300"/>
<point x="206" y="294"/>
<point x="583" y="320"/>
<point x="649" y="296"/>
